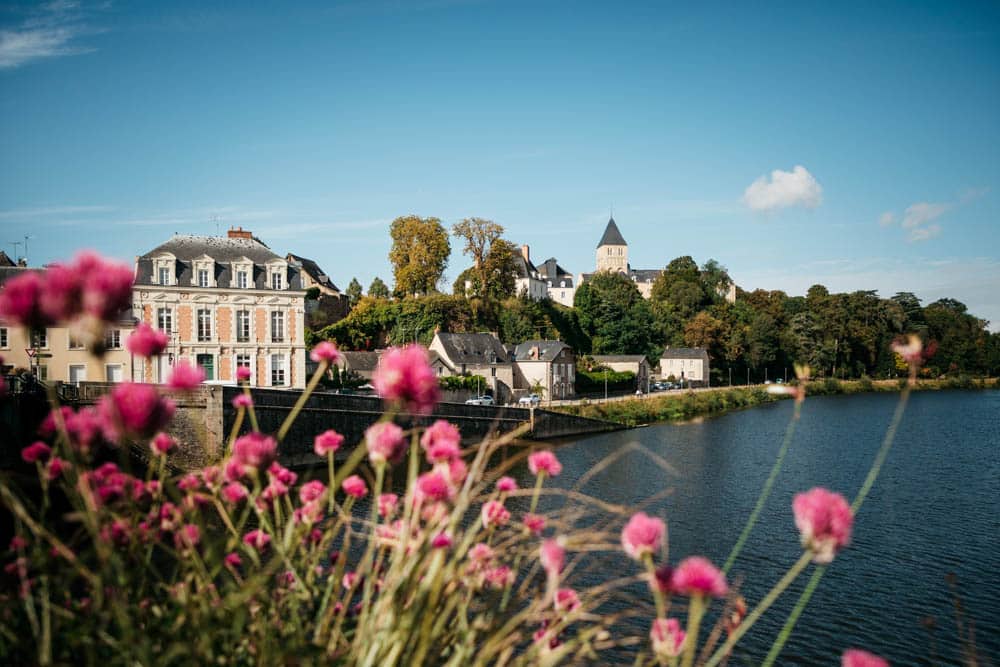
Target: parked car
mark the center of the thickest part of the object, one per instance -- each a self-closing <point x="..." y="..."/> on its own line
<point x="531" y="400"/>
<point x="480" y="400"/>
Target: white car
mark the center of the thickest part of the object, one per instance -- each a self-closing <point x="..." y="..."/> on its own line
<point x="531" y="400"/>
<point x="480" y="400"/>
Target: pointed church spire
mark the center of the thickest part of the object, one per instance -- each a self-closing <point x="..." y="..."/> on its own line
<point x="611" y="235"/>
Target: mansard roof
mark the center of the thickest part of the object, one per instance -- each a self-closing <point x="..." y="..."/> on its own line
<point x="539" y="350"/>
<point x="313" y="270"/>
<point x="472" y="348"/>
<point x="611" y="235"/>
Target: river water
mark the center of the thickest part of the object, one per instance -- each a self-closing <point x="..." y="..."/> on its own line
<point x="934" y="510"/>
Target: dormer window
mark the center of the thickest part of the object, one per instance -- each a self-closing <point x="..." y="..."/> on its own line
<point x="242" y="274"/>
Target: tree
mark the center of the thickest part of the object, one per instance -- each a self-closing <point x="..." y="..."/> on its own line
<point x="707" y="332"/>
<point x="378" y="289"/>
<point x="615" y="316"/>
<point x="419" y="254"/>
<point x="354" y="292"/>
<point x="492" y="271"/>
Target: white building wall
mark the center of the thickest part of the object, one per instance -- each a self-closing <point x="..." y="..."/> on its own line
<point x="692" y="369"/>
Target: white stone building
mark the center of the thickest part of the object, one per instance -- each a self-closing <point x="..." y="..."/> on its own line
<point x="550" y="364"/>
<point x="687" y="364"/>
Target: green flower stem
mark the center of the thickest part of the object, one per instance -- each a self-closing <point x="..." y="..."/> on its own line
<point x="695" y="611"/>
<point x="331" y="490"/>
<point x="237" y="425"/>
<point x="890" y="436"/>
<point x="538" y="489"/>
<point x="661" y="605"/>
<point x="763" y="606"/>
<point x="250" y="410"/>
<point x="765" y="492"/>
<point x="299" y="404"/>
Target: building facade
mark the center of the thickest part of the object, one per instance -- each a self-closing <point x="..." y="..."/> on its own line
<point x="475" y="354"/>
<point x="559" y="282"/>
<point x="686" y="364"/>
<point x="527" y="280"/>
<point x="549" y="364"/>
<point x="225" y="302"/>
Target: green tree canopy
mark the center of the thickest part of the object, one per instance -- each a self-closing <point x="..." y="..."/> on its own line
<point x="354" y="292"/>
<point x="378" y="289"/>
<point x="614" y="315"/>
<point x="419" y="254"/>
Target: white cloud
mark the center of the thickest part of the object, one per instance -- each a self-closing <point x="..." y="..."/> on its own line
<point x="887" y="219"/>
<point x="924" y="233"/>
<point x="47" y="33"/>
<point x="785" y="188"/>
<point x="923" y="212"/>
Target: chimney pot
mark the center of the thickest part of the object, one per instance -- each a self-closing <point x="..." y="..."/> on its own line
<point x="526" y="253"/>
<point x="239" y="233"/>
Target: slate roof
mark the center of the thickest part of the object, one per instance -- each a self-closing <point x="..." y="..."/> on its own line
<point x="313" y="271"/>
<point x="360" y="360"/>
<point x="523" y="268"/>
<point x="554" y="274"/>
<point x="224" y="251"/>
<point x="548" y="350"/>
<point x="644" y="275"/>
<point x="5" y="260"/>
<point x="472" y="348"/>
<point x="611" y="235"/>
<point x="684" y="353"/>
<point x="619" y="358"/>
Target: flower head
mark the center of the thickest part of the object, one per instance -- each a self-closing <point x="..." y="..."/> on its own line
<point x="242" y="373"/>
<point x="233" y="560"/>
<point x="824" y="521"/>
<point x="506" y="484"/>
<point x="36" y="451"/>
<point x="534" y="523"/>
<point x="146" y="341"/>
<point x="857" y="658"/>
<point x="242" y="401"/>
<point x="255" y="450"/>
<point x="311" y="491"/>
<point x="697" y="576"/>
<point x="234" y="493"/>
<point x="354" y="486"/>
<point x="553" y="557"/>
<point x="162" y="443"/>
<point x="385" y="442"/>
<point x="441" y="442"/>
<point x="642" y="535"/>
<point x="325" y="352"/>
<point x="134" y="410"/>
<point x="257" y="539"/>
<point x="20" y="300"/>
<point x="405" y="376"/>
<point x="494" y="513"/>
<point x="387" y="503"/>
<point x="56" y="467"/>
<point x="544" y="462"/>
<point x="667" y="637"/>
<point x="185" y="376"/>
<point x="442" y="541"/>
<point x="434" y="487"/>
<point x="566" y="600"/>
<point x="327" y="442"/>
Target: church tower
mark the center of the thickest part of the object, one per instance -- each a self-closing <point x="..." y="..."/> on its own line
<point x="612" y="251"/>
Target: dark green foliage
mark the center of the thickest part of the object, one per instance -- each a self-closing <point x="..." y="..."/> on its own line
<point x="354" y="292"/>
<point x="613" y="314"/>
<point x="378" y="289"/>
<point x="312" y="293"/>
<point x="458" y="382"/>
<point x="592" y="382"/>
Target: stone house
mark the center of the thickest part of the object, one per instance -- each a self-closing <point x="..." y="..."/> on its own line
<point x="550" y="364"/>
<point x="527" y="279"/>
<point x="226" y="302"/>
<point x="633" y="363"/>
<point x="54" y="355"/>
<point x="688" y="364"/>
<point x="475" y="354"/>
<point x="558" y="282"/>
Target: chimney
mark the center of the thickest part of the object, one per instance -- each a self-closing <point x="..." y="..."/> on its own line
<point x="526" y="253"/>
<point x="239" y="233"/>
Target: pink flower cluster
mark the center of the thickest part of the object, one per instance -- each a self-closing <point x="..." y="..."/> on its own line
<point x="824" y="520"/>
<point x="642" y="535"/>
<point x="325" y="352"/>
<point x="404" y="376"/>
<point x="255" y="451"/>
<point x="696" y="575"/>
<point x="133" y="410"/>
<point x="667" y="637"/>
<point x="146" y="341"/>
<point x="857" y="658"/>
<point x="88" y="286"/>
<point x="327" y="442"/>
<point x="385" y="443"/>
<point x="544" y="462"/>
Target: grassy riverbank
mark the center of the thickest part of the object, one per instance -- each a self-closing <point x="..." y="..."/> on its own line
<point x="681" y="406"/>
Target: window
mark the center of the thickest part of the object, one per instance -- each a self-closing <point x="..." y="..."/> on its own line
<point x="277" y="370"/>
<point x="204" y="325"/>
<point x="164" y="320"/>
<point x="77" y="373"/>
<point x="276" y="281"/>
<point x="202" y="277"/>
<point x="164" y="275"/>
<point x="243" y="361"/>
<point x="207" y="364"/>
<point x="40" y="338"/>
<point x="113" y="339"/>
<point x="74" y="343"/>
<point x="42" y="372"/>
<point x="113" y="372"/>
<point x="277" y="326"/>
<point x="241" y="279"/>
<point x="243" y="326"/>
<point x="3" y="337"/>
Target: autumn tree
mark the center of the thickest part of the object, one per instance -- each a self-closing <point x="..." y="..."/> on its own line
<point x="419" y="254"/>
<point x="492" y="272"/>
<point x="378" y="289"/>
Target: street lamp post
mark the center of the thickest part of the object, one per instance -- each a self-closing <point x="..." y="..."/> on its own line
<point x="605" y="384"/>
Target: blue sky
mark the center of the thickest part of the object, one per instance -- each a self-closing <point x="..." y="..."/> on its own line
<point x="851" y="144"/>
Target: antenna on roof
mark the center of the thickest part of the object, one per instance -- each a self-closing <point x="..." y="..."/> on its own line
<point x="215" y="219"/>
<point x="16" y="244"/>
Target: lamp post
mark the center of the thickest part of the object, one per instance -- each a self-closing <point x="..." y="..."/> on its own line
<point x="605" y="384"/>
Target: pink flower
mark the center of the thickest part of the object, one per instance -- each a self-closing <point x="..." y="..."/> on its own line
<point x="309" y="513"/>
<point x="911" y="351"/>
<point x="162" y="443"/>
<point x="134" y="410"/>
<point x="660" y="581"/>
<point x="20" y="301"/>
<point x="187" y="537"/>
<point x="146" y="341"/>
<point x="544" y="462"/>
<point x="56" y="467"/>
<point x="642" y="535"/>
<point x="185" y="376"/>
<point x="354" y="486"/>
<point x="857" y="658"/>
<point x="189" y="482"/>
<point x="441" y="541"/>
<point x="242" y="401"/>
<point x="311" y="491"/>
<point x="36" y="451"/>
<point x="257" y="539"/>
<point x="107" y="285"/>
<point x="233" y="560"/>
<point x="499" y="577"/>
<point x="385" y="442"/>
<point x="697" y="576"/>
<point x="552" y="557"/>
<point x="387" y="504"/>
<point x="456" y="471"/>
<point x="667" y="637"/>
<point x="325" y="352"/>
<point x="824" y="520"/>
<point x="242" y="373"/>
<point x="234" y="493"/>
<point x="17" y="542"/>
<point x="441" y="442"/>
<point x="61" y="296"/>
<point x="534" y="523"/>
<point x="350" y="579"/>
<point x="494" y="514"/>
<point x="433" y="487"/>
<point x="327" y="442"/>
<point x="481" y="553"/>
<point x="255" y="450"/>
<point x="233" y="471"/>
<point x="506" y="484"/>
<point x="405" y="376"/>
<point x="566" y="600"/>
<point x="282" y="474"/>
